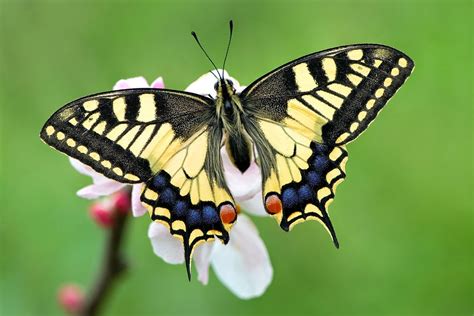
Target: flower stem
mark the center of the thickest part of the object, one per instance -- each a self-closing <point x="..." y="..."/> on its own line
<point x="113" y="265"/>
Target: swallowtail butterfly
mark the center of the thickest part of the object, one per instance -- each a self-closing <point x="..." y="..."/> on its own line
<point x="295" y="121"/>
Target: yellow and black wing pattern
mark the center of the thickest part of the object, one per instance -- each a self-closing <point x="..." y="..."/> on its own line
<point x="165" y="138"/>
<point x="302" y="114"/>
<point x="127" y="135"/>
<point x="189" y="194"/>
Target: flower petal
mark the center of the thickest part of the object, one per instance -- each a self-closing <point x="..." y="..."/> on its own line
<point x="243" y="186"/>
<point x="81" y="168"/>
<point x="254" y="205"/>
<point x="136" y="82"/>
<point x="204" y="85"/>
<point x="103" y="188"/>
<point x="137" y="207"/>
<point x="240" y="88"/>
<point x="202" y="260"/>
<point x="170" y="249"/>
<point x="158" y="83"/>
<point x="97" y="178"/>
<point x="100" y="179"/>
<point x="243" y="265"/>
<point x="165" y="246"/>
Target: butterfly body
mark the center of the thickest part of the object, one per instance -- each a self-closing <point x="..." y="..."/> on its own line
<point x="294" y="122"/>
<point x="232" y="116"/>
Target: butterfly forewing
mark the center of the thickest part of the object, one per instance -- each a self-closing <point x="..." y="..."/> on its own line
<point x="302" y="114"/>
<point x="332" y="95"/>
<point x="127" y="135"/>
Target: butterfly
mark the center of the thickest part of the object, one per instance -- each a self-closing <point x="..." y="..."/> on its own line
<point x="294" y="121"/>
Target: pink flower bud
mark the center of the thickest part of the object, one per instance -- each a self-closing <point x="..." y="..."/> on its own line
<point x="71" y="298"/>
<point x="101" y="214"/>
<point x="122" y="201"/>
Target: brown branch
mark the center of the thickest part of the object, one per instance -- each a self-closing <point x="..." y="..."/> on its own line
<point x="113" y="265"/>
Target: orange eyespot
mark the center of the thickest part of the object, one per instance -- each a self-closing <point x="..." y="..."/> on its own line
<point x="228" y="213"/>
<point x="273" y="204"/>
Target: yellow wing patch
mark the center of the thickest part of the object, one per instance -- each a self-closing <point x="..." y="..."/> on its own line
<point x="189" y="194"/>
<point x="291" y="153"/>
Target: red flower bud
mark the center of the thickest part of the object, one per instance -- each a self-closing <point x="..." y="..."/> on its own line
<point x="71" y="298"/>
<point x="102" y="215"/>
<point x="122" y="201"/>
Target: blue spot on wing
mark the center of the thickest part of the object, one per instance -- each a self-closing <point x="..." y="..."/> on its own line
<point x="193" y="217"/>
<point x="167" y="197"/>
<point x="179" y="209"/>
<point x="159" y="182"/>
<point x="320" y="163"/>
<point x="320" y="149"/>
<point x="209" y="215"/>
<point x="305" y="193"/>
<point x="289" y="198"/>
<point x="313" y="178"/>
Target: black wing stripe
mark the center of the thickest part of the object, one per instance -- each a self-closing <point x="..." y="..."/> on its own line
<point x="314" y="109"/>
<point x="147" y="143"/>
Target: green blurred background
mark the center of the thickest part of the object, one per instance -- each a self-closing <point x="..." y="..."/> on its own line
<point x="404" y="216"/>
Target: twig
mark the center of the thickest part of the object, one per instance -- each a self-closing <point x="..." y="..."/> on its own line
<point x="113" y="265"/>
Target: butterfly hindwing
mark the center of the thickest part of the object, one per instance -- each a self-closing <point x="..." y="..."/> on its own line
<point x="189" y="194"/>
<point x="311" y="196"/>
<point x="303" y="113"/>
<point x="299" y="175"/>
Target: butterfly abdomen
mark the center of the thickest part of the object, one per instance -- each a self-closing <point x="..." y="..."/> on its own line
<point x="238" y="142"/>
<point x="239" y="148"/>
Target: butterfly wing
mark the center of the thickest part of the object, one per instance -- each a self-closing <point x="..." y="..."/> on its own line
<point x="164" y="138"/>
<point x="299" y="175"/>
<point x="190" y="196"/>
<point x="126" y="135"/>
<point x="302" y="114"/>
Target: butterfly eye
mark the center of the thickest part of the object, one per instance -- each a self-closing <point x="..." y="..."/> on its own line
<point x="230" y="83"/>
<point x="216" y="85"/>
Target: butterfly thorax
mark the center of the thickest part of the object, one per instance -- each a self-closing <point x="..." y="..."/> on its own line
<point x="230" y="113"/>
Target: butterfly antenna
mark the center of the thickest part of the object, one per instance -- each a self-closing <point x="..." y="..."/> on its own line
<point x="202" y="48"/>
<point x="231" y="29"/>
<point x="210" y="71"/>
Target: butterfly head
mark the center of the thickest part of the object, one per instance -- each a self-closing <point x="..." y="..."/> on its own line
<point x="224" y="86"/>
<point x="225" y="92"/>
